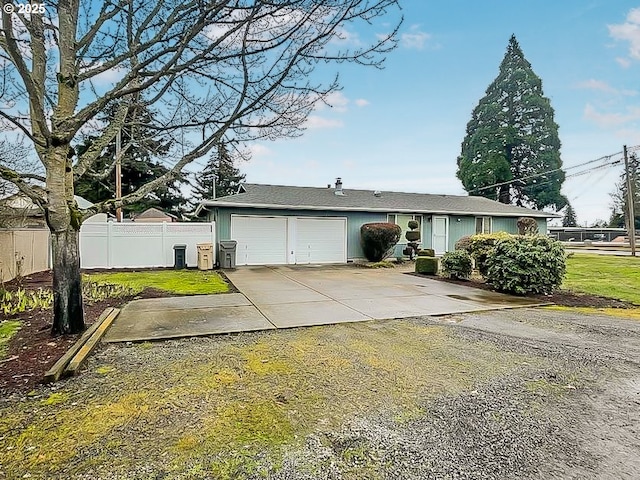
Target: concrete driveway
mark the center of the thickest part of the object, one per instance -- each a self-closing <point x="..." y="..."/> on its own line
<point x="286" y="297"/>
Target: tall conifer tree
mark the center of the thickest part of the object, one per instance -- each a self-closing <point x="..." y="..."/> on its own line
<point x="220" y="171"/>
<point x="512" y="139"/>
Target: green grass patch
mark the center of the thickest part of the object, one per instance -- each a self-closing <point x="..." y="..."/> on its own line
<point x="8" y="329"/>
<point x="606" y="275"/>
<point x="182" y="282"/>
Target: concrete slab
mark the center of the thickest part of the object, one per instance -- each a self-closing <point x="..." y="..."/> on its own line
<point x="192" y="301"/>
<point x="275" y="296"/>
<point x="139" y="325"/>
<point x="286" y="297"/>
<point x="310" y="313"/>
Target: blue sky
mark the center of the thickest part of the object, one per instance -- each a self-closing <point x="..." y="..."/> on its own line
<point x="401" y="128"/>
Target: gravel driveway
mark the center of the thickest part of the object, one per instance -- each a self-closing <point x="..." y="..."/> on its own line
<point x="532" y="393"/>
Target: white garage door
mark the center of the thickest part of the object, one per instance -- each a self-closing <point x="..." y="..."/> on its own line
<point x="261" y="240"/>
<point x="321" y="240"/>
<point x="264" y="240"/>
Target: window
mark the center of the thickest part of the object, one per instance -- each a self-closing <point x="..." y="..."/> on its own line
<point x="403" y="220"/>
<point x="483" y="224"/>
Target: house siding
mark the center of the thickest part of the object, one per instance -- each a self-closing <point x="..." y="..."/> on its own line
<point x="459" y="225"/>
<point x="354" y="222"/>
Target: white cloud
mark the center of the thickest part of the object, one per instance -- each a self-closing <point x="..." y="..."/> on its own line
<point x="315" y="121"/>
<point x="337" y="101"/>
<point x="604" y="87"/>
<point x="608" y="120"/>
<point x="629" y="31"/>
<point x="415" y="38"/>
<point x="623" y="62"/>
<point x="258" y="150"/>
<point x="361" y="102"/>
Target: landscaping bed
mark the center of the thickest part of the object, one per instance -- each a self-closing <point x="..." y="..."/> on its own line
<point x="33" y="350"/>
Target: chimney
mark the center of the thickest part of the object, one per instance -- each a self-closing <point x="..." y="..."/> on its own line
<point x="339" y="187"/>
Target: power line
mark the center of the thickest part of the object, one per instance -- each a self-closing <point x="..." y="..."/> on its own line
<point x="540" y="174"/>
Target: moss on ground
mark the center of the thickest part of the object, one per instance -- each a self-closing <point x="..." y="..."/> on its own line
<point x="183" y="282"/>
<point x="8" y="328"/>
<point x="630" y="313"/>
<point x="232" y="408"/>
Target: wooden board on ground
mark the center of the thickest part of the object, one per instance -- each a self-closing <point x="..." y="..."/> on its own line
<point x="86" y="349"/>
<point x="55" y="372"/>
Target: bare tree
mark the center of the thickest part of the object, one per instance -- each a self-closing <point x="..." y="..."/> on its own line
<point x="233" y="70"/>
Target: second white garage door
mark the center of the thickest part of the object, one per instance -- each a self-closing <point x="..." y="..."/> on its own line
<point x="289" y="240"/>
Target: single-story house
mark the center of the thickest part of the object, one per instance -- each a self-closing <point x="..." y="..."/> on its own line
<point x="277" y="225"/>
<point x="154" y="215"/>
<point x="19" y="211"/>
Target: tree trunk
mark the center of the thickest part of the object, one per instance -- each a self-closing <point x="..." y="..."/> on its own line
<point x="68" y="314"/>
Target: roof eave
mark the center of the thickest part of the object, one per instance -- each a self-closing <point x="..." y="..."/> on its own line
<point x="216" y="203"/>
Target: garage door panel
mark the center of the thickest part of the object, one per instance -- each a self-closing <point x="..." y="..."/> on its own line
<point x="321" y="240"/>
<point x="261" y="240"/>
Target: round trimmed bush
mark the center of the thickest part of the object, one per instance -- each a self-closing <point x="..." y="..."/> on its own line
<point x="378" y="240"/>
<point x="456" y="264"/>
<point x="427" y="252"/>
<point x="463" y="243"/>
<point x="527" y="226"/>
<point x="526" y="264"/>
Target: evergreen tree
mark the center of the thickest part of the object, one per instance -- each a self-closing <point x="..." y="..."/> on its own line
<point x="140" y="164"/>
<point x="219" y="171"/>
<point x="620" y="204"/>
<point x="570" y="219"/>
<point x="512" y="139"/>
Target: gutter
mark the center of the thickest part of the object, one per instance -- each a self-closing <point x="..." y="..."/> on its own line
<point x="534" y="213"/>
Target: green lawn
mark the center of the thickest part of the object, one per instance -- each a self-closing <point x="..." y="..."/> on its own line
<point x="182" y="282"/>
<point x="607" y="275"/>
<point x="8" y="328"/>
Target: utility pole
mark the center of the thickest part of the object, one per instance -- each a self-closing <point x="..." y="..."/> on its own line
<point x="631" y="225"/>
<point x="119" y="173"/>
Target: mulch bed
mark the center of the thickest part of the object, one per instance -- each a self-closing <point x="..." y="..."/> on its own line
<point x="564" y="298"/>
<point x="33" y="350"/>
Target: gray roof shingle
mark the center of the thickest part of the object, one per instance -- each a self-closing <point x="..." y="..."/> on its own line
<point x="312" y="198"/>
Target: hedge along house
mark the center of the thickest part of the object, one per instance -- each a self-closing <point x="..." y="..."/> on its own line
<point x="279" y="225"/>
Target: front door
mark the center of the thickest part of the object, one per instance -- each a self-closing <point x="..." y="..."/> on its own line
<point x="440" y="234"/>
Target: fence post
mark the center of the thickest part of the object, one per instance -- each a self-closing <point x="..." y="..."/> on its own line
<point x="164" y="244"/>
<point x="109" y="243"/>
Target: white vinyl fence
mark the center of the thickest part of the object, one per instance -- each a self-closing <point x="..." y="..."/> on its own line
<point x="139" y="245"/>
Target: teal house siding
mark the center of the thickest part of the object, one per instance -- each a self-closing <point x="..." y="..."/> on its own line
<point x="504" y="224"/>
<point x="222" y="217"/>
<point x="459" y="226"/>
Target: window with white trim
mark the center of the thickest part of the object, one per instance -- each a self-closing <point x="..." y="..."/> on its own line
<point x="403" y="220"/>
<point x="483" y="224"/>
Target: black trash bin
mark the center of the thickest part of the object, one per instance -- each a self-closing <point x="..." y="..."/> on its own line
<point x="228" y="253"/>
<point x="179" y="256"/>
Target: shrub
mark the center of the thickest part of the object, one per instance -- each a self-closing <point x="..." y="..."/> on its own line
<point x="480" y="247"/>
<point x="427" y="252"/>
<point x="378" y="239"/>
<point x="427" y="265"/>
<point x="463" y="243"/>
<point x="457" y="264"/>
<point x="526" y="264"/>
<point x="527" y="226"/>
